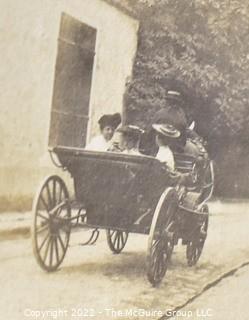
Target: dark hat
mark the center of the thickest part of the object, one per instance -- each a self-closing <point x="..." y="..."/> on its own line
<point x="166" y="130"/>
<point x="116" y="117"/>
<point x="112" y="120"/>
<point x="131" y="130"/>
<point x="171" y="115"/>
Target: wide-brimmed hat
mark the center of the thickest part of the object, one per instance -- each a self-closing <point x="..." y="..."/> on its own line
<point x="131" y="130"/>
<point x="112" y="120"/>
<point x="166" y="130"/>
<point x="171" y="115"/>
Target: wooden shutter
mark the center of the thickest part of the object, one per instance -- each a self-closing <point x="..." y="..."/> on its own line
<point x="72" y="83"/>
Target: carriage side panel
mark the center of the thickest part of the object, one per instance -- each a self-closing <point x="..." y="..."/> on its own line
<point x="116" y="193"/>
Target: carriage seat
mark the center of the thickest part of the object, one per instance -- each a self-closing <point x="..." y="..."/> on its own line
<point x="192" y="155"/>
<point x="190" y="200"/>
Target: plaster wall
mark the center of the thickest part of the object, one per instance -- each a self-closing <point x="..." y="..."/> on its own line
<point x="29" y="31"/>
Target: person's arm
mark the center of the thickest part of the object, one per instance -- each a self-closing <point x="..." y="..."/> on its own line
<point x="115" y="147"/>
<point x="178" y="178"/>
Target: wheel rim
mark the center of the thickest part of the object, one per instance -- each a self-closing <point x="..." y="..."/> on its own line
<point x="160" y="255"/>
<point x="195" y="247"/>
<point x="116" y="240"/>
<point x="208" y="182"/>
<point x="161" y="238"/>
<point x="51" y="225"/>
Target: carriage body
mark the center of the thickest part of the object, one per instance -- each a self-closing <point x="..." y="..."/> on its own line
<point x="117" y="191"/>
<point x="122" y="194"/>
<point x="113" y="191"/>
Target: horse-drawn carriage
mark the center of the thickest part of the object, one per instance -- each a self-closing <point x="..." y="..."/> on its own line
<point x="122" y="194"/>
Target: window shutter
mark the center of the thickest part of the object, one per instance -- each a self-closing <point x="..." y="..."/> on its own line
<point x="72" y="83"/>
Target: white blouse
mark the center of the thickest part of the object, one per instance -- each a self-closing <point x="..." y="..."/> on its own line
<point x="164" y="154"/>
<point x="99" y="143"/>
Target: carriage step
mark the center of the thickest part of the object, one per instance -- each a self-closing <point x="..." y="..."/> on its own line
<point x="92" y="240"/>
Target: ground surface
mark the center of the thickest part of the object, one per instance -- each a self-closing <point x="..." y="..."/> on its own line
<point x="228" y="300"/>
<point x="93" y="281"/>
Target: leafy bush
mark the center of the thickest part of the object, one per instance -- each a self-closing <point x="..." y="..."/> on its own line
<point x="201" y="48"/>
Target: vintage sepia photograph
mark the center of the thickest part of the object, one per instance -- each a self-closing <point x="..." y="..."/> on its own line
<point x="124" y="169"/>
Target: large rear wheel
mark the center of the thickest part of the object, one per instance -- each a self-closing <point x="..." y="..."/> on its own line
<point x="160" y="244"/>
<point x="195" y="246"/>
<point x="51" y="225"/>
<point x="207" y="183"/>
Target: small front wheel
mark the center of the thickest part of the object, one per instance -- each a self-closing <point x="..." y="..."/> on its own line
<point x="51" y="227"/>
<point x="116" y="240"/>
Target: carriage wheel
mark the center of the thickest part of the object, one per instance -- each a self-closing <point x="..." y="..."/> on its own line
<point x="195" y="247"/>
<point x="51" y="226"/>
<point x="116" y="240"/>
<point x="160" y="244"/>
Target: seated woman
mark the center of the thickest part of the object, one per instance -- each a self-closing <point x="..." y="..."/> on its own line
<point x="129" y="139"/>
<point x="172" y="113"/>
<point x="165" y="133"/>
<point x="107" y="124"/>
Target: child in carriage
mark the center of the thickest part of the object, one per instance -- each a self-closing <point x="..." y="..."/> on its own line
<point x="130" y="139"/>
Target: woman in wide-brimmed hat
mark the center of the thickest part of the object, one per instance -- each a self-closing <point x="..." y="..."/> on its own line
<point x="108" y="123"/>
<point x="165" y="136"/>
<point x="172" y="113"/>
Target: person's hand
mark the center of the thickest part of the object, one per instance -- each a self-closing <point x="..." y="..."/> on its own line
<point x="115" y="147"/>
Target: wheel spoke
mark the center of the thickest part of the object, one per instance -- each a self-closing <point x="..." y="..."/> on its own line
<point x="46" y="250"/>
<point x="44" y="203"/>
<point x="155" y="253"/>
<point x="43" y="228"/>
<point x="157" y="267"/>
<point x="57" y="209"/>
<point x="118" y="244"/>
<point x="60" y="194"/>
<point x="63" y="213"/>
<point x="49" y="196"/>
<point x="115" y="239"/>
<point x="154" y="245"/>
<point x="56" y="250"/>
<point x="61" y="242"/>
<point x="51" y="253"/>
<point x="54" y="193"/>
<point x="160" y="264"/>
<point x="39" y="214"/>
<point x="122" y="238"/>
<point x="43" y="242"/>
<point x="112" y="233"/>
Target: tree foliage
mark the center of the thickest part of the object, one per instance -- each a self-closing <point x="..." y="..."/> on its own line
<point x="201" y="48"/>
